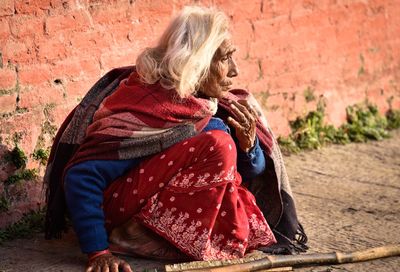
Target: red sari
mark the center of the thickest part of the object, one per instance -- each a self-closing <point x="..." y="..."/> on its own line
<point x="191" y="194"/>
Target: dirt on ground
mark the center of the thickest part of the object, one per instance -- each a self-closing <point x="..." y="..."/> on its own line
<point x="347" y="199"/>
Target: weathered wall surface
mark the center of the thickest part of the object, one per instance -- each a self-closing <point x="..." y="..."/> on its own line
<point x="52" y="51"/>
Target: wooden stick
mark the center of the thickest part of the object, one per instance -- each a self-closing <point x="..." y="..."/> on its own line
<point x="272" y="261"/>
<point x="277" y="269"/>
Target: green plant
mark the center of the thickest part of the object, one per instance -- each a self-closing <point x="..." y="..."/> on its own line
<point x="26" y="174"/>
<point x="393" y="119"/>
<point x="288" y="145"/>
<point x="17" y="157"/>
<point x="30" y="223"/>
<point x="363" y="123"/>
<point x="41" y="155"/>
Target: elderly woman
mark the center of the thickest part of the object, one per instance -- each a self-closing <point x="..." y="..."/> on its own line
<point x="159" y="160"/>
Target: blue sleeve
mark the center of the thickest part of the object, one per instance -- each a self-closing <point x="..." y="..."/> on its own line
<point x="216" y="123"/>
<point x="84" y="184"/>
<point x="252" y="163"/>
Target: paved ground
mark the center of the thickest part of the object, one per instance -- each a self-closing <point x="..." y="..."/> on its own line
<point x="347" y="196"/>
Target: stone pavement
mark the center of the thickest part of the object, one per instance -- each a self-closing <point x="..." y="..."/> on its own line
<point x="347" y="197"/>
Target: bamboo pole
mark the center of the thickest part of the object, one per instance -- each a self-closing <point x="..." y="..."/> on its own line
<point x="273" y="261"/>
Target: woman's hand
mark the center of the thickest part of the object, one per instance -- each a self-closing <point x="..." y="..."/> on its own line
<point x="244" y="122"/>
<point x="107" y="262"/>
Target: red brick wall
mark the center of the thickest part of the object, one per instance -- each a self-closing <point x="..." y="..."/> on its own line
<point x="52" y="51"/>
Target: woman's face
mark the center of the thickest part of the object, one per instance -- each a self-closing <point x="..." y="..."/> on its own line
<point x="223" y="68"/>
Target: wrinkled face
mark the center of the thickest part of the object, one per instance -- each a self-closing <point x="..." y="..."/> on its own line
<point x="223" y="68"/>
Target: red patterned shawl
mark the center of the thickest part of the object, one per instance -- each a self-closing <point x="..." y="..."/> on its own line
<point x="138" y="120"/>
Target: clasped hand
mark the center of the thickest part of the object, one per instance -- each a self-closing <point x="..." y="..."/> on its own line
<point x="244" y="121"/>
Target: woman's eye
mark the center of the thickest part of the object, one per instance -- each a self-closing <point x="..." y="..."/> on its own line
<point x="226" y="58"/>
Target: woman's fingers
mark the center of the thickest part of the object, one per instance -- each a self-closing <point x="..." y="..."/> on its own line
<point x="243" y="120"/>
<point x="238" y="114"/>
<point x="244" y="110"/>
<point x="114" y="267"/>
<point x="237" y="126"/>
<point x="249" y="107"/>
<point x="108" y="263"/>
<point x="125" y="267"/>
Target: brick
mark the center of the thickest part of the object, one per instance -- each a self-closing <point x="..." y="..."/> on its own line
<point x="92" y="42"/>
<point x="138" y="34"/>
<point x="6" y="7"/>
<point x="396" y="99"/>
<point x="278" y="122"/>
<point x="76" y="21"/>
<point x="12" y="49"/>
<point x="156" y="8"/>
<point x="118" y="57"/>
<point x="31" y="6"/>
<point x="248" y="69"/>
<point x="8" y="79"/>
<point x="29" y="125"/>
<point x="78" y="89"/>
<point x="51" y="49"/>
<point x="379" y="96"/>
<point x="61" y="4"/>
<point x="18" y="51"/>
<point x="8" y="103"/>
<point x="239" y="11"/>
<point x="26" y="25"/>
<point x="60" y="112"/>
<point x="264" y="28"/>
<point x="317" y="19"/>
<point x="120" y="32"/>
<point x="299" y="103"/>
<point x="40" y="95"/>
<point x="335" y="108"/>
<point x="109" y="15"/>
<point x="276" y="100"/>
<point x="66" y="68"/>
<point x="73" y="68"/>
<point x="34" y="74"/>
<point x="4" y="30"/>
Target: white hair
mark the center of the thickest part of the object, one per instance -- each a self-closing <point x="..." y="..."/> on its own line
<point x="182" y="58"/>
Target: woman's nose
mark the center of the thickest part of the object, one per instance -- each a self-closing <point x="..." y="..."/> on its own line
<point x="233" y="69"/>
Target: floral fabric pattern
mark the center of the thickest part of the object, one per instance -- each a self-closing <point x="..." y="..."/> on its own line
<point x="191" y="194"/>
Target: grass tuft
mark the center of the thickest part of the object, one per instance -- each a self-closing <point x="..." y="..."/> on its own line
<point x="26" y="174"/>
<point x="30" y="223"/>
<point x="17" y="157"/>
<point x="41" y="155"/>
<point x="363" y="123"/>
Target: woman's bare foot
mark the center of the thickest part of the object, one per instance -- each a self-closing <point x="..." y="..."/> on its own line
<point x="133" y="238"/>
